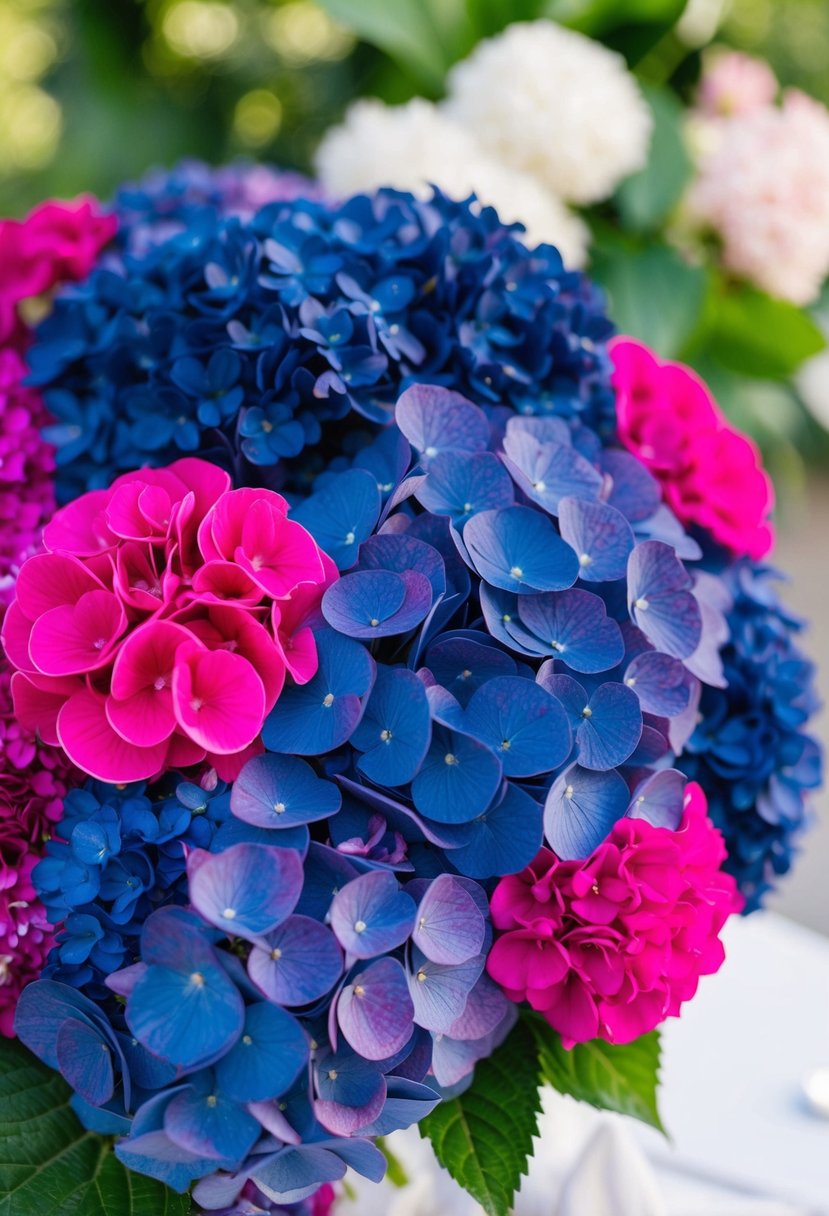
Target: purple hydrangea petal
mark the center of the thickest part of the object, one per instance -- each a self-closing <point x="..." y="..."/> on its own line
<point x="449" y="927"/>
<point x="396" y="728"/>
<point x="281" y="792"/>
<point x="247" y="890"/>
<point x="377" y="603"/>
<point x="660" y="799"/>
<point x="351" y="1092"/>
<point x="547" y="472"/>
<point x="522" y="723"/>
<point x="660" y="682"/>
<point x="460" y="486"/>
<point x="661" y="601"/>
<point x="582" y="806"/>
<point x="301" y="964"/>
<point x="399" y="552"/>
<point x="600" y="536"/>
<point x="463" y="664"/>
<point x="375" y="1011"/>
<point x="436" y="420"/>
<point x="440" y="992"/>
<point x="371" y="914"/>
<point x="573" y="626"/>
<point x="484" y="1011"/>
<point x="519" y="550"/>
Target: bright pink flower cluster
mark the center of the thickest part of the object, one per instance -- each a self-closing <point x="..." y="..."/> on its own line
<point x="711" y="474"/>
<point x="27" y="497"/>
<point x="56" y="242"/>
<point x="156" y="629"/>
<point x="33" y="782"/>
<point x="610" y="946"/>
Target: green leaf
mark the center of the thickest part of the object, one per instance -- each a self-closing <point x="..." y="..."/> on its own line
<point x="760" y="335"/>
<point x="49" y="1165"/>
<point x="426" y="36"/>
<point x="484" y="1137"/>
<point x="646" y="198"/>
<point x="654" y="295"/>
<point x="630" y="26"/>
<point x="622" y="1079"/>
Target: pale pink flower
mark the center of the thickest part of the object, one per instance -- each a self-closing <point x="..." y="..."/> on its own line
<point x="734" y="83"/>
<point x="763" y="188"/>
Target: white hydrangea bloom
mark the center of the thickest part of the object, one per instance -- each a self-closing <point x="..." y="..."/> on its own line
<point x="554" y="103"/>
<point x="414" y="146"/>
<point x="763" y="187"/>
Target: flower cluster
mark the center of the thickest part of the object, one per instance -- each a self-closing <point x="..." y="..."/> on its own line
<point x="492" y="135"/>
<point x="245" y="339"/>
<point x="419" y="144"/>
<point x="610" y="946"/>
<point x="474" y="648"/>
<point x="169" y="203"/>
<point x="157" y="627"/>
<point x="762" y="185"/>
<point x="27" y="492"/>
<point x="57" y="242"/>
<point x="750" y="751"/>
<point x="33" y="781"/>
<point x="551" y="102"/>
<point x="116" y="856"/>
<point x="711" y="475"/>
<point x="275" y="1027"/>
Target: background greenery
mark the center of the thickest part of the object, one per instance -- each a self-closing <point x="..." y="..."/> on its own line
<point x="93" y="92"/>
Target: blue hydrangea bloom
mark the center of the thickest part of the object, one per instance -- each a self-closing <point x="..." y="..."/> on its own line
<point x="516" y="650"/>
<point x="118" y="854"/>
<point x="751" y="752"/>
<point x="248" y="338"/>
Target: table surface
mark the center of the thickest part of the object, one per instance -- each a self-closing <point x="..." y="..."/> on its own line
<point x="734" y="1063"/>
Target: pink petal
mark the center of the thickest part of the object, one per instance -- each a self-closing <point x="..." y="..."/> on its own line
<point x="80" y="527"/>
<point x="17" y="630"/>
<point x="140" y="708"/>
<point x="37" y="702"/>
<point x="147" y="657"/>
<point x="220" y="581"/>
<point x="134" y="509"/>
<point x="48" y="580"/>
<point x="233" y="629"/>
<point x="71" y="640"/>
<point x="137" y="580"/>
<point x="299" y="652"/>
<point x="218" y="698"/>
<point x="277" y="553"/>
<point x="184" y="752"/>
<point x="90" y="742"/>
<point x="220" y="533"/>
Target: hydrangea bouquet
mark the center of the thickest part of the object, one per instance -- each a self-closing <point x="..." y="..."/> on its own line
<point x="395" y="701"/>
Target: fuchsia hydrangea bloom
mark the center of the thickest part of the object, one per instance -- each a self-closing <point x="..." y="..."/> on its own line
<point x="610" y="946"/>
<point x="33" y="781"/>
<point x="27" y="496"/>
<point x="56" y="242"/>
<point x="711" y="474"/>
<point x="156" y="629"/>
